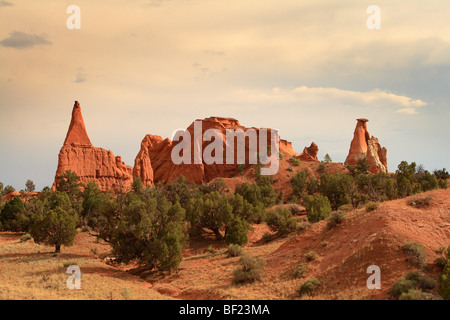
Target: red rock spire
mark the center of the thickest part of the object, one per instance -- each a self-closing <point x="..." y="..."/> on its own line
<point x="77" y="134"/>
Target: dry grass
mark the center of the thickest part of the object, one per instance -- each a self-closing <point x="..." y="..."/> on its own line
<point x="29" y="271"/>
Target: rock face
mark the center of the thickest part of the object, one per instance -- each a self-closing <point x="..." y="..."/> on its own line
<point x="154" y="159"/>
<point x="91" y="163"/>
<point x="364" y="146"/>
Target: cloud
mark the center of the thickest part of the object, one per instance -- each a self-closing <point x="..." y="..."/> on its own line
<point x="81" y="76"/>
<point x="320" y="96"/>
<point x="21" y="40"/>
<point x="4" y="3"/>
<point x="407" y="111"/>
<point x="156" y="3"/>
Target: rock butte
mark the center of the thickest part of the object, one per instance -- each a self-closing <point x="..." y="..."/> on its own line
<point x="153" y="163"/>
<point x="364" y="146"/>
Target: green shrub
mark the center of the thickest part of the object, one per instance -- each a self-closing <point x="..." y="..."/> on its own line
<point x="334" y="219"/>
<point x="94" y="250"/>
<point x="309" y="287"/>
<point x="402" y="286"/>
<point x="280" y="220"/>
<point x="371" y="206"/>
<point x="423" y="282"/>
<point x="416" y="253"/>
<point x="444" y="282"/>
<point x="234" y="250"/>
<point x="237" y="233"/>
<point x="300" y="271"/>
<point x="26" y="237"/>
<point x="295" y="161"/>
<point x="290" y="169"/>
<point x="336" y="188"/>
<point x="252" y="269"/>
<point x="413" y="294"/>
<point x="318" y="208"/>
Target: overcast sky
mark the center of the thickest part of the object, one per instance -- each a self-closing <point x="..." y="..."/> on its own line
<point x="307" y="68"/>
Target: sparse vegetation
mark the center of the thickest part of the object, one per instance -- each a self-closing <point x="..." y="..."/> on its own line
<point x="252" y="269"/>
<point x="309" y="287"/>
<point x="311" y="256"/>
<point x="234" y="250"/>
<point x="335" y="218"/>
<point x="422" y="201"/>
<point x="372" y="206"/>
<point x="411" y="287"/>
<point x="416" y="254"/>
<point x="300" y="271"/>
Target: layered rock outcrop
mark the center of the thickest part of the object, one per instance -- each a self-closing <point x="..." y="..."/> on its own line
<point x="365" y="146"/>
<point x="154" y="158"/>
<point x="91" y="163"/>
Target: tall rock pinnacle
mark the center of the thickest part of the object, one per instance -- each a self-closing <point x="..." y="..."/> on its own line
<point x="90" y="163"/>
<point x="77" y="134"/>
<point x="364" y="146"/>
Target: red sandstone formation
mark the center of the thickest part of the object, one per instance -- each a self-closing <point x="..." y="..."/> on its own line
<point x="90" y="163"/>
<point x="154" y="158"/>
<point x="364" y="146"/>
<point x="310" y="153"/>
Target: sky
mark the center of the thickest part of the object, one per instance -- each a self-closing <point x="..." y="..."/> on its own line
<point x="306" y="68"/>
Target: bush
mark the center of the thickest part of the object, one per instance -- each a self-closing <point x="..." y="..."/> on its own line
<point x="402" y="286"/>
<point x="252" y="269"/>
<point x="321" y="168"/>
<point x="444" y="282"/>
<point x="413" y="294"/>
<point x="295" y="161"/>
<point x="423" y="282"/>
<point x="310" y="256"/>
<point x="237" y="233"/>
<point x="423" y="201"/>
<point x="54" y="227"/>
<point x="300" y="271"/>
<point x="336" y="188"/>
<point x="298" y="182"/>
<point x="371" y="206"/>
<point x="234" y="250"/>
<point x="13" y="216"/>
<point x="416" y="253"/>
<point x="318" y="208"/>
<point x="309" y="287"/>
<point x="280" y="220"/>
<point x="346" y="208"/>
<point x="26" y="237"/>
<point x="266" y="237"/>
<point x="335" y="218"/>
<point x="410" y="287"/>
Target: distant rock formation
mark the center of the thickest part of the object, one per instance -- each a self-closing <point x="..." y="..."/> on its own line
<point x="364" y="146"/>
<point x="154" y="158"/>
<point x="91" y="163"/>
<point x="310" y="153"/>
<point x="154" y="163"/>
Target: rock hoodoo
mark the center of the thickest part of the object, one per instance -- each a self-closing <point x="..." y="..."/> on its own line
<point x="365" y="146"/>
<point x="91" y="163"/>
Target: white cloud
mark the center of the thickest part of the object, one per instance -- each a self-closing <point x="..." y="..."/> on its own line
<point x="320" y="96"/>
